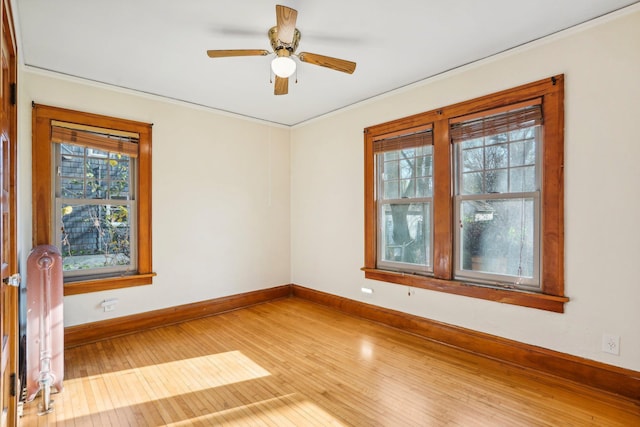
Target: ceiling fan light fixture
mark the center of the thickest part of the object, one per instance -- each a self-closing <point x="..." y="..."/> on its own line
<point x="283" y="66"/>
<point x="284" y="38"/>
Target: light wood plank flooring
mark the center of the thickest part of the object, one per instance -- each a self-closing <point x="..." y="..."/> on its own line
<point x="295" y="363"/>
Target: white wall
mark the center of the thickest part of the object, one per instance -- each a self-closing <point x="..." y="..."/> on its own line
<point x="220" y="197"/>
<point x="601" y="63"/>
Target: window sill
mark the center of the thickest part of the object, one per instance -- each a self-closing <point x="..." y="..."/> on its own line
<point x="546" y="302"/>
<point x="109" y="283"/>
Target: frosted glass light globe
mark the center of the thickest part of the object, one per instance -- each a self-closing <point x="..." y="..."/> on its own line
<point x="283" y="66"/>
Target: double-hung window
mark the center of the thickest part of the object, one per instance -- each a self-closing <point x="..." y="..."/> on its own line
<point x="405" y="193"/>
<point x="92" y="197"/>
<point x="95" y="199"/>
<point x="468" y="198"/>
<point x="497" y="200"/>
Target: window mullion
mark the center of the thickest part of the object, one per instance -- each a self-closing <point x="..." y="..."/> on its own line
<point x="442" y="202"/>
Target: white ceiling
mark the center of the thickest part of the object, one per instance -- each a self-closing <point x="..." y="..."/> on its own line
<point x="159" y="46"/>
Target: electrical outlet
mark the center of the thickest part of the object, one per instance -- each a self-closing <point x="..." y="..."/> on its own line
<point x="611" y="344"/>
<point x="109" y="304"/>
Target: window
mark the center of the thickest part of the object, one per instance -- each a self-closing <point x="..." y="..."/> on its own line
<point x="468" y="199"/>
<point x="497" y="204"/>
<point x="405" y="190"/>
<point x="92" y="197"/>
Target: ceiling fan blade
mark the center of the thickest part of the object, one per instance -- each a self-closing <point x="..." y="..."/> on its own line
<point x="329" y="62"/>
<point x="236" y="52"/>
<point x="281" y="86"/>
<point x="286" y="22"/>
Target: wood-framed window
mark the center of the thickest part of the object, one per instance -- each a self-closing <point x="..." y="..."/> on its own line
<point x="92" y="197"/>
<point x="468" y="199"/>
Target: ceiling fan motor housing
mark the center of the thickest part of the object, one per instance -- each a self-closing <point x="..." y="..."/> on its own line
<point x="278" y="45"/>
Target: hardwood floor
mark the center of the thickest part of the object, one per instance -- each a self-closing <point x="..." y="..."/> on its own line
<point x="294" y="363"/>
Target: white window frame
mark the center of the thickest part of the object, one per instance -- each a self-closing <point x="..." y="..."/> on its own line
<point x="382" y="202"/>
<point x="130" y="202"/>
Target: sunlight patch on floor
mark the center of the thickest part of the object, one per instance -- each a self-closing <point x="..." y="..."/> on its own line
<point x="162" y="381"/>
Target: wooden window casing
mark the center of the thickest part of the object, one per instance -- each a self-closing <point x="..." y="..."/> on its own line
<point x="44" y="120"/>
<point x="551" y="297"/>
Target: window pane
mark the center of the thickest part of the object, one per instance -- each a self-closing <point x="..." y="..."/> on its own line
<point x="472" y="159"/>
<point x="391" y="170"/>
<point x="497" y="236"/>
<point x="425" y="187"/>
<point x="95" y="236"/>
<point x="97" y="189"/>
<point x="75" y="150"/>
<point x="496" y="181"/>
<point x="390" y="155"/>
<point x="119" y="190"/>
<point x="522" y="179"/>
<point x="406" y="231"/>
<point x="72" y="188"/>
<point x="72" y="166"/>
<point x="119" y="175"/>
<point x="96" y="168"/>
<point x="496" y="157"/>
<point x="407" y="189"/>
<point x="522" y="153"/>
<point x="423" y="166"/>
<point x="472" y="183"/>
<point x="391" y="190"/>
<point x="406" y="168"/>
<point x="119" y="168"/>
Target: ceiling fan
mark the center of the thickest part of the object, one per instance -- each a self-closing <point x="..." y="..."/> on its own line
<point x="284" y="38"/>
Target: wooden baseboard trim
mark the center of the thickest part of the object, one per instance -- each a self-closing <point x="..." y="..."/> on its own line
<point x="105" y="329"/>
<point x="608" y="378"/>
